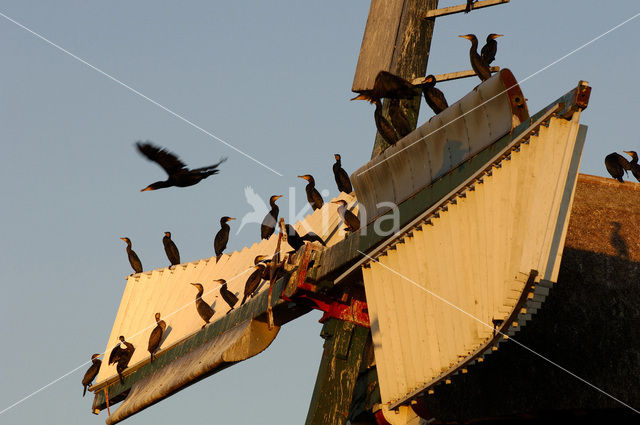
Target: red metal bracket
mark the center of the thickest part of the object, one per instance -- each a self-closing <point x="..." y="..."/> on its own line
<point x="354" y="311"/>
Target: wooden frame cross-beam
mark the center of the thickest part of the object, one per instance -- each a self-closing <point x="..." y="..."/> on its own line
<point x="461" y="8"/>
<point x="449" y="76"/>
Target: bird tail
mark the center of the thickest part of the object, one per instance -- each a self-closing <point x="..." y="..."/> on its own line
<point x="244" y="299"/>
<point x="151" y="361"/>
<point x="85" y="391"/>
<point x="121" y="377"/>
<point x="620" y="180"/>
<point x="218" y="257"/>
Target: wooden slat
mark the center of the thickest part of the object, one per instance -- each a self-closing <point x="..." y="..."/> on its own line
<point x="461" y="8"/>
<point x="453" y="75"/>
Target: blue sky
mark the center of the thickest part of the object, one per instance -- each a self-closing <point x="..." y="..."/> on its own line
<point x="272" y="79"/>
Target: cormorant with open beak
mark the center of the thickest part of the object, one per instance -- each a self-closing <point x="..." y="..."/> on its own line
<point x="171" y="249"/>
<point x="121" y="356"/>
<point x="433" y="96"/>
<point x="313" y="196"/>
<point x="488" y="52"/>
<point x="204" y="310"/>
<point x="222" y="237"/>
<point x="350" y="219"/>
<point x="134" y="260"/>
<point x="341" y="176"/>
<point x="91" y="373"/>
<point x="228" y="296"/>
<point x="616" y="165"/>
<point x="269" y="223"/>
<point x="155" y="339"/>
<point x="478" y="65"/>
<point x="179" y="174"/>
<point x="254" y="279"/>
<point x="633" y="165"/>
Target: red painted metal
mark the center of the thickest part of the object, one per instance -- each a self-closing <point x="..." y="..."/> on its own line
<point x="380" y="419"/>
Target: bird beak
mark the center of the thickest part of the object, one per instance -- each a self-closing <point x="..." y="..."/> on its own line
<point x="278" y="197"/>
<point x="465" y="36"/>
<point x="362" y="97"/>
<point x="335" y="202"/>
<point x="231" y="218"/>
<point x="303" y="177"/>
<point x="123" y="238"/>
<point x="498" y="35"/>
<point x="146" y="189"/>
<point x="336" y="156"/>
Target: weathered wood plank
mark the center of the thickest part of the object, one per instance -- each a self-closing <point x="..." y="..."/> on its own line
<point x="461" y="8"/>
<point x="449" y="76"/>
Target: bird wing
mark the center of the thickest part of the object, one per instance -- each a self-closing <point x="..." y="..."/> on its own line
<point x="167" y="160"/>
<point x="155" y="338"/>
<point x="391" y="86"/>
<point x="115" y="354"/>
<point x="623" y="162"/>
<point x="209" y="167"/>
<point x="488" y="54"/>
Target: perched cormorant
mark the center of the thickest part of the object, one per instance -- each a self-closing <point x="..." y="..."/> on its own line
<point x="616" y="165"/>
<point x="488" y="52"/>
<point x="296" y="241"/>
<point x="269" y="223"/>
<point x="121" y="356"/>
<point x="204" y="310"/>
<point x="633" y="165"/>
<point x="228" y="296"/>
<point x="469" y="6"/>
<point x="390" y="86"/>
<point x="433" y="96"/>
<point x="399" y="119"/>
<point x="156" y="336"/>
<point x="254" y="279"/>
<point x="179" y="174"/>
<point x="313" y="196"/>
<point x="478" y="65"/>
<point x="134" y="260"/>
<point x="171" y="249"/>
<point x="222" y="237"/>
<point x="350" y="219"/>
<point x="341" y="176"/>
<point x="91" y="373"/>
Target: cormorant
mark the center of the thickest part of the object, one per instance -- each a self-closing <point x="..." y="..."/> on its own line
<point x="156" y="336"/>
<point x="399" y="119"/>
<point x="469" y="6"/>
<point x="91" y="373"/>
<point x="478" y="65"/>
<point x="350" y="219"/>
<point x="488" y="52"/>
<point x="171" y="249"/>
<point x="134" y="260"/>
<point x="433" y="96"/>
<point x="254" y="278"/>
<point x="204" y="310"/>
<point x="121" y="356"/>
<point x="633" y="165"/>
<point x="296" y="241"/>
<point x="179" y="174"/>
<point x="313" y="196"/>
<point x="384" y="127"/>
<point x="616" y="165"/>
<point x="228" y="296"/>
<point x="269" y="223"/>
<point x="341" y="176"/>
<point x="222" y="237"/>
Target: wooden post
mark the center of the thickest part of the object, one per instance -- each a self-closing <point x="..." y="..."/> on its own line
<point x="339" y="368"/>
<point x="397" y="39"/>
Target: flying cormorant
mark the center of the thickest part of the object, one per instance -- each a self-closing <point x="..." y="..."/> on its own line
<point x="228" y="296"/>
<point x="313" y="196"/>
<point x="488" y="52"/>
<point x="341" y="176"/>
<point x="433" y="96"/>
<point x="398" y="118"/>
<point x="171" y="249"/>
<point x="91" y="373"/>
<point x="478" y="65"/>
<point x="633" y="165"/>
<point x="156" y="336"/>
<point x="254" y="279"/>
<point x="269" y="223"/>
<point x="121" y="356"/>
<point x="350" y="219"/>
<point x="204" y="310"/>
<point x="616" y="165"/>
<point x="134" y="260"/>
<point x="179" y="174"/>
<point x="296" y="241"/>
<point x="222" y="237"/>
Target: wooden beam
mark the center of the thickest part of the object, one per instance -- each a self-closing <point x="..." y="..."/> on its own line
<point x="453" y="75"/>
<point x="461" y="8"/>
